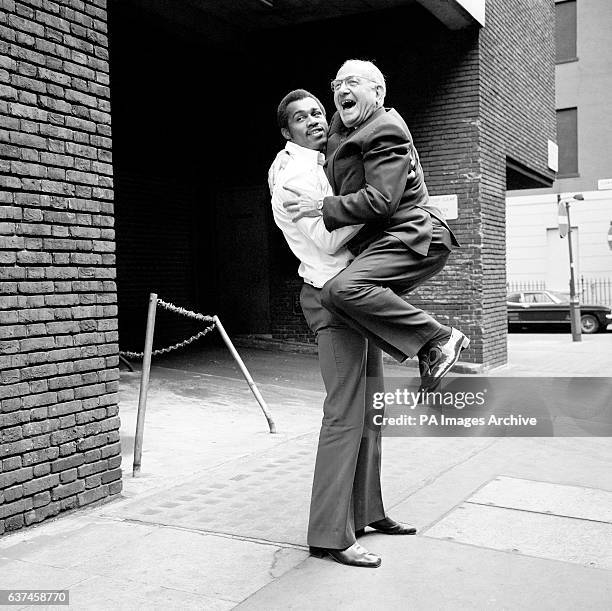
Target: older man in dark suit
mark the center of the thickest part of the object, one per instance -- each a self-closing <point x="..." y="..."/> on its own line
<point x="377" y="179"/>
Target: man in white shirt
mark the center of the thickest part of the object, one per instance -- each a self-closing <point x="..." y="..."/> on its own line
<point x="346" y="494"/>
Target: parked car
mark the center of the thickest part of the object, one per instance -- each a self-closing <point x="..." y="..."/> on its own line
<point x="551" y="307"/>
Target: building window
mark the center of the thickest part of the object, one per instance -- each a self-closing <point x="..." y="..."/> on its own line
<point x="567" y="138"/>
<point x="565" y="31"/>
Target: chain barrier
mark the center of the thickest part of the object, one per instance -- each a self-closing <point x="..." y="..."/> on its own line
<point x="148" y="352"/>
<point x="183" y="312"/>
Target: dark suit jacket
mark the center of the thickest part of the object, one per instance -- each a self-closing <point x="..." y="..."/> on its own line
<point x="377" y="179"/>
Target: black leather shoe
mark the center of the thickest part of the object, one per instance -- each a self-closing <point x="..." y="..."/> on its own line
<point x="388" y="526"/>
<point x="355" y="555"/>
<point x="436" y="358"/>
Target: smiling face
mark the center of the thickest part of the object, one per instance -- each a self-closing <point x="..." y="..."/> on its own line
<point x="358" y="92"/>
<point x="306" y="124"/>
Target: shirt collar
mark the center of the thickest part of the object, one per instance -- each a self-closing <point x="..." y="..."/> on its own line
<point x="305" y="154"/>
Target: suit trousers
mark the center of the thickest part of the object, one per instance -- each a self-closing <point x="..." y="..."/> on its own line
<point x="346" y="493"/>
<point x="368" y="295"/>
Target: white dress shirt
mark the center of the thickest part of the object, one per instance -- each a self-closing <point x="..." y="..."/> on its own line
<point x="322" y="253"/>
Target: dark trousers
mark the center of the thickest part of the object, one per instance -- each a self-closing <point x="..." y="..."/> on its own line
<point x="367" y="295"/>
<point x="346" y="492"/>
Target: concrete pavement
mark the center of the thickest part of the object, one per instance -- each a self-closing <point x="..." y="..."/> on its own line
<point x="217" y="518"/>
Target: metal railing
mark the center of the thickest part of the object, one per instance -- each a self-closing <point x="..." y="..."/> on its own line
<point x="590" y="290"/>
<point x="595" y="290"/>
<point x="526" y="285"/>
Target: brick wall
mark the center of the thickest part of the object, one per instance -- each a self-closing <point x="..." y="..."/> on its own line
<point x="438" y="83"/>
<point x="287" y="320"/>
<point x="517" y="85"/>
<point x="491" y="97"/>
<point x="59" y="438"/>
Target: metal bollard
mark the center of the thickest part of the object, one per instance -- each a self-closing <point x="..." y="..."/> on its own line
<point x="144" y="384"/>
<point x="246" y="374"/>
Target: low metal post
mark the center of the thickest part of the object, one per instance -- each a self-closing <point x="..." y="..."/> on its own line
<point x="144" y="384"/>
<point x="246" y="374"/>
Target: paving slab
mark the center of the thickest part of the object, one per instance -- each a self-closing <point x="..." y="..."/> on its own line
<point x="423" y="573"/>
<point x="533" y="534"/>
<point x="74" y="543"/>
<point x="196" y="563"/>
<point x="104" y="594"/>
<point x="21" y="575"/>
<point x="544" y="497"/>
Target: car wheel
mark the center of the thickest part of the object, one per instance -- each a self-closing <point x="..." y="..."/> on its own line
<point x="589" y="324"/>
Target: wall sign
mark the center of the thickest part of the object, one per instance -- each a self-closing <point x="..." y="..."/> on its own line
<point x="448" y="205"/>
<point x="604" y="183"/>
<point x="553" y="156"/>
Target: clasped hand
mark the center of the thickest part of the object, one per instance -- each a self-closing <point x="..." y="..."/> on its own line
<point x="303" y="205"/>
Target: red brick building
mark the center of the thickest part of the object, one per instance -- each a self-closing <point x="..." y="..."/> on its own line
<point x="173" y="200"/>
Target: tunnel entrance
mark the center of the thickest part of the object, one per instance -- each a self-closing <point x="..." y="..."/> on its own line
<point x="192" y="217"/>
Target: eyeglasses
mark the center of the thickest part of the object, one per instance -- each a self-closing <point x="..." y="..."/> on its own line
<point x="351" y="82"/>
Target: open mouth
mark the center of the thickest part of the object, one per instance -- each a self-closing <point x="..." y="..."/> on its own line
<point x="348" y="103"/>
